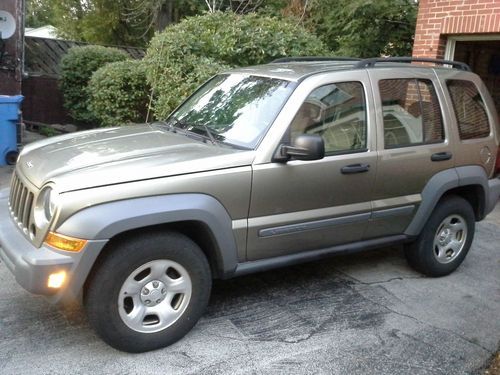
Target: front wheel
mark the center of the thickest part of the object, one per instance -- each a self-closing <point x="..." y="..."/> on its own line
<point x="148" y="291"/>
<point x="445" y="239"/>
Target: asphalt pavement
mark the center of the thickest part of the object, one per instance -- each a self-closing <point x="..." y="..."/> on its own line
<point x="361" y="314"/>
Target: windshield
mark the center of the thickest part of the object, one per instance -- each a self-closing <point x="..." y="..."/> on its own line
<point x="233" y="108"/>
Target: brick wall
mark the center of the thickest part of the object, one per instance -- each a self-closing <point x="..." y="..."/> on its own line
<point x="439" y="18"/>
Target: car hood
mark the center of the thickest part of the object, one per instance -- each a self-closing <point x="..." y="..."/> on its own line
<point x="115" y="155"/>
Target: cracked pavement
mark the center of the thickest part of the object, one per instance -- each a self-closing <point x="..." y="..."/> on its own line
<point x="357" y="314"/>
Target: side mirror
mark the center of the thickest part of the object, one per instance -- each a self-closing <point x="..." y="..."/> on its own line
<point x="304" y="147"/>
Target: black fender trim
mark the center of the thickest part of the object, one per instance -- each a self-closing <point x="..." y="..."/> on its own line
<point x="443" y="182"/>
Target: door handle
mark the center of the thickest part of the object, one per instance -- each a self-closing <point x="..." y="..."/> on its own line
<point x="355" y="168"/>
<point x="440" y="156"/>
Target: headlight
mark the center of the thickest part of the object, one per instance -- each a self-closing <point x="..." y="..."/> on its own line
<point x="45" y="206"/>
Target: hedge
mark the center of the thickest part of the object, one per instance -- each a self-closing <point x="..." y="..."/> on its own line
<point x="119" y="93"/>
<point x="186" y="54"/>
<point x="77" y="67"/>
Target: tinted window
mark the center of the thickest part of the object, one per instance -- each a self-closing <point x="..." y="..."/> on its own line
<point x="337" y="112"/>
<point x="411" y="112"/>
<point x="469" y="109"/>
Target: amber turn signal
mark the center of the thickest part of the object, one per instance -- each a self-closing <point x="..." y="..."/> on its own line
<point x="66" y="243"/>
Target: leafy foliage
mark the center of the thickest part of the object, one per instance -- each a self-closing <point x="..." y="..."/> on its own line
<point x="77" y="67"/>
<point x="365" y="28"/>
<point x="38" y="13"/>
<point x="186" y="54"/>
<point x="110" y="22"/>
<point x="119" y="93"/>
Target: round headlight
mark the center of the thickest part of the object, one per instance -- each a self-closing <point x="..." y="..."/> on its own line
<point x="45" y="207"/>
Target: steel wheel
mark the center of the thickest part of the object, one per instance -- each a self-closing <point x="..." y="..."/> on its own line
<point x="154" y="296"/>
<point x="148" y="291"/>
<point x="445" y="239"/>
<point x="450" y="238"/>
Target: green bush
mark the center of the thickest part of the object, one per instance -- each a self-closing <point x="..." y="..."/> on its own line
<point x="77" y="67"/>
<point x="186" y="54"/>
<point x="119" y="93"/>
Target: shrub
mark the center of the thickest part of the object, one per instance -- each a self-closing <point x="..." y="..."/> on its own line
<point x="77" y="67"/>
<point x="119" y="93"/>
<point x="186" y="54"/>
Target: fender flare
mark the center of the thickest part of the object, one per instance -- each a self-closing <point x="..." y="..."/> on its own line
<point x="439" y="184"/>
<point x="104" y="221"/>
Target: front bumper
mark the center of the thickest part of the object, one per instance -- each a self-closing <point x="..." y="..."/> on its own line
<point x="32" y="266"/>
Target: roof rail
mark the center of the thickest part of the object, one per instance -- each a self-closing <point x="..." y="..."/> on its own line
<point x="313" y="58"/>
<point x="370" y="63"/>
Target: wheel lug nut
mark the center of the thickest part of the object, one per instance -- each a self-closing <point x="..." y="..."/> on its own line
<point x="163" y="291"/>
<point x="146" y="291"/>
<point x="158" y="300"/>
<point x="155" y="284"/>
<point x="148" y="302"/>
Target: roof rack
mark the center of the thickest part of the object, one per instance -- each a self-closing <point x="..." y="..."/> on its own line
<point x="313" y="58"/>
<point x="370" y="63"/>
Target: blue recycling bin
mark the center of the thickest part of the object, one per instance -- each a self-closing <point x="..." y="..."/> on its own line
<point x="10" y="110"/>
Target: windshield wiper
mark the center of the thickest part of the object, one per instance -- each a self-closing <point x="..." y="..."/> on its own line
<point x="209" y="133"/>
<point x="179" y="124"/>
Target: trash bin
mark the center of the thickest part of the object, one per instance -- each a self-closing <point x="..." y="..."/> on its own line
<point x="10" y="117"/>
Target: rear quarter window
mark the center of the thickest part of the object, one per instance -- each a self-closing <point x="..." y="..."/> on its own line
<point x="469" y="109"/>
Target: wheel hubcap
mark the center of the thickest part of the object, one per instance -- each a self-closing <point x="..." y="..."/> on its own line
<point x="154" y="296"/>
<point x="450" y="238"/>
<point x="153" y="293"/>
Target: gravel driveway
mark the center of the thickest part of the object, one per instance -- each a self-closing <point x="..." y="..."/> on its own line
<point x="360" y="314"/>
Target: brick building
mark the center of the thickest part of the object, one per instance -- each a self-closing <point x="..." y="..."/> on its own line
<point x="463" y="30"/>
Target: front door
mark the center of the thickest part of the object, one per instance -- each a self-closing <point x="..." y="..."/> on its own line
<point x="307" y="205"/>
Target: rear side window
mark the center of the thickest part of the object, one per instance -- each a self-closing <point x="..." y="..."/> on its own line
<point x="469" y="109"/>
<point x="412" y="114"/>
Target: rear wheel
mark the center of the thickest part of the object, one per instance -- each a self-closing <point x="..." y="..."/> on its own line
<point x="148" y="291"/>
<point x="445" y="239"/>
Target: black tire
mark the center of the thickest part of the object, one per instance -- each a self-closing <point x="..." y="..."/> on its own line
<point x="422" y="254"/>
<point x="105" y="288"/>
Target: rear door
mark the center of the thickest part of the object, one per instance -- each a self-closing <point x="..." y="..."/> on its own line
<point x="413" y="144"/>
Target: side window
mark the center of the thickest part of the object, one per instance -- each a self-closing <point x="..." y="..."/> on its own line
<point x="469" y="109"/>
<point x="337" y="112"/>
<point x="412" y="114"/>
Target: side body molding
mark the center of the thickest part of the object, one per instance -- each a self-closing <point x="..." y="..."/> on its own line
<point x="442" y="182"/>
<point x="104" y="221"/>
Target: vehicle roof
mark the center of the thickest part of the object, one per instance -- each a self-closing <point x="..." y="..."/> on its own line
<point x="299" y="70"/>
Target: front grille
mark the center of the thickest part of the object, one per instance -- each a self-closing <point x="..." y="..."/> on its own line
<point x="20" y="202"/>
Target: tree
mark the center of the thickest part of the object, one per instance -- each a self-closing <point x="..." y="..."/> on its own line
<point x="365" y="28"/>
<point x="38" y="13"/>
<point x="110" y="22"/>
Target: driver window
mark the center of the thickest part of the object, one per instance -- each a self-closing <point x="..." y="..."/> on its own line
<point x="336" y="112"/>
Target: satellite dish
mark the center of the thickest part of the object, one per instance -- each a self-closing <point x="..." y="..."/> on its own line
<point x="7" y="25"/>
